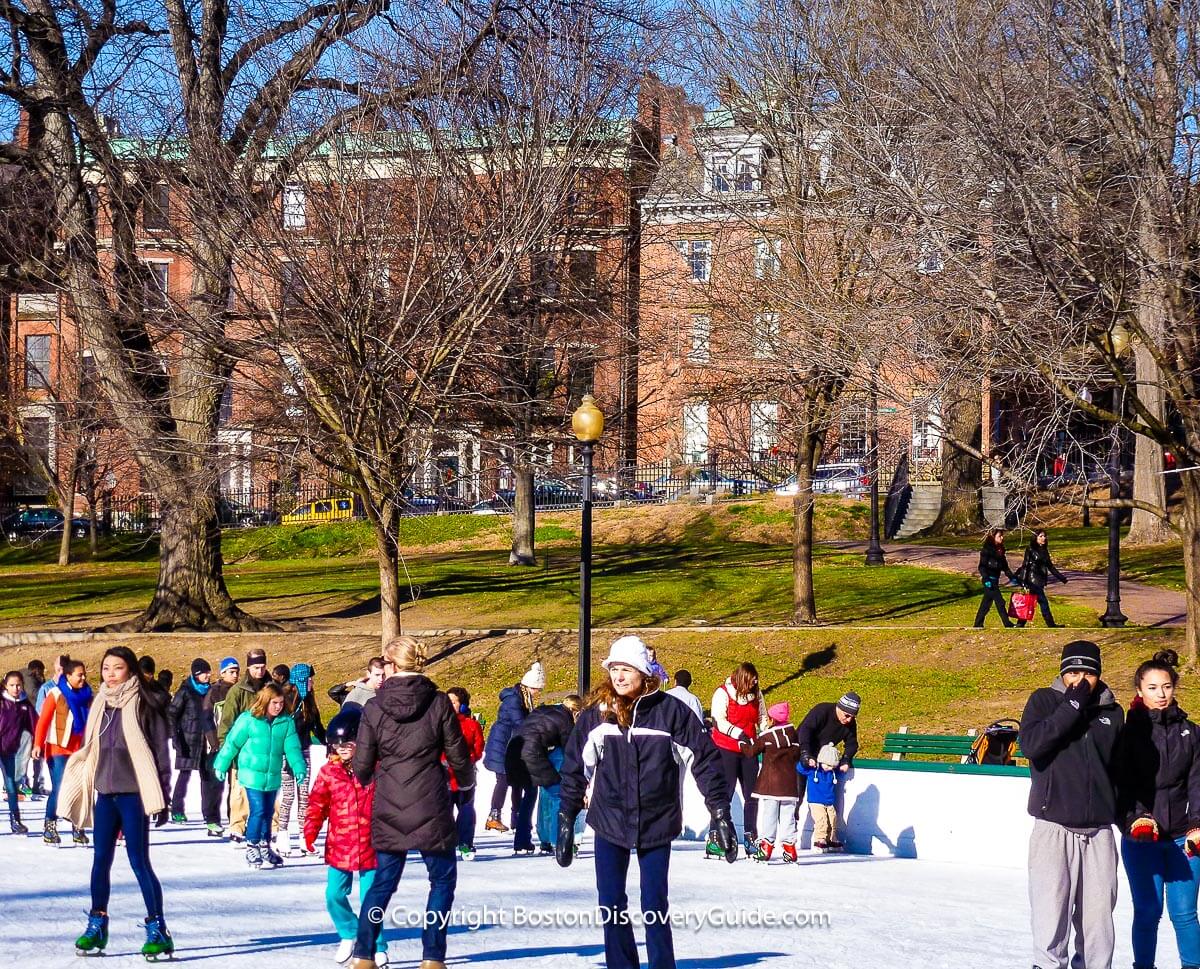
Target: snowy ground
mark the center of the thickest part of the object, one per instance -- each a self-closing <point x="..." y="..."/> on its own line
<point x="882" y="912"/>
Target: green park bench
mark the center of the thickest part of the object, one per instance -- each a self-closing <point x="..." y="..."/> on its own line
<point x="951" y="749"/>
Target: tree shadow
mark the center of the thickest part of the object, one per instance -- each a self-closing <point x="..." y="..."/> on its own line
<point x="815" y="660"/>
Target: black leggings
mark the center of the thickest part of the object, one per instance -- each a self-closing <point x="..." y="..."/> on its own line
<point x="992" y="596"/>
<point x="1043" y="604"/>
<point x="742" y="771"/>
<point x="500" y="792"/>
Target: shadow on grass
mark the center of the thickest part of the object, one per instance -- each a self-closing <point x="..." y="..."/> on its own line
<point x="815" y="660"/>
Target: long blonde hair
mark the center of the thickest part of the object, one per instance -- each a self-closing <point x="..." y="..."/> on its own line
<point x="405" y="654"/>
<point x="616" y="708"/>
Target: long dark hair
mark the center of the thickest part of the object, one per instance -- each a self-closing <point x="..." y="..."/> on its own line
<point x="1164" y="661"/>
<point x="1033" y="539"/>
<point x="149" y="706"/>
<point x="989" y="540"/>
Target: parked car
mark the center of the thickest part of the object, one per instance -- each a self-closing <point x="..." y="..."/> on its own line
<point x="337" y="508"/>
<point x="38" y="522"/>
<point x="1088" y="471"/>
<point x="234" y="514"/>
<point x="843" y="477"/>
<point x="670" y="485"/>
<point x="547" y="493"/>
<point x="418" y="503"/>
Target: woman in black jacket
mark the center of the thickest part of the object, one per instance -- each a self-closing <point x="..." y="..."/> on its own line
<point x="635" y="801"/>
<point x="403" y="734"/>
<point x="194" y="733"/>
<point x="1158" y="804"/>
<point x="1036" y="570"/>
<point x="533" y="760"/>
<point x="993" y="564"/>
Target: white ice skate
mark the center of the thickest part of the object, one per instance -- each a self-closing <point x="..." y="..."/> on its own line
<point x="345" y="950"/>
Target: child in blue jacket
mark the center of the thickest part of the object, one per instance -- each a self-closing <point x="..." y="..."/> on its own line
<point x="822" y="798"/>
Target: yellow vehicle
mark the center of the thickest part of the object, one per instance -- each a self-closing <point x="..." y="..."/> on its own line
<point x="323" y="510"/>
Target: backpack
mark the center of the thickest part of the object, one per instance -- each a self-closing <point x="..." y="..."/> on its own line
<point x="996" y="745"/>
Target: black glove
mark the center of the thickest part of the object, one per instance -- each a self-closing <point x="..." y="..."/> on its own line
<point x="725" y="833"/>
<point x="564" y="847"/>
<point x="162" y="818"/>
<point x="1078" y="694"/>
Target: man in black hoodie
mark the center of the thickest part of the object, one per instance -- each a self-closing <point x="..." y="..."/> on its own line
<point x="1069" y="732"/>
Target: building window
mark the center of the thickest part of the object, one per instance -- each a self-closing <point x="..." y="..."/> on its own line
<point x="764" y="428"/>
<point x="89" y="379"/>
<point x="290" y="286"/>
<point x="733" y="172"/>
<point x="765" y="338"/>
<point x="767" y="258"/>
<point x="852" y="431"/>
<point x="581" y="373"/>
<point x="226" y="403"/>
<point x="695" y="432"/>
<point x="701" y="338"/>
<point x="293" y="387"/>
<point x="543" y="273"/>
<point x="929" y="258"/>
<point x="581" y="268"/>
<point x="156" y="208"/>
<point x="293" y="201"/>
<point x="927" y="429"/>
<point x="37" y="362"/>
<point x="697" y="253"/>
<point x="157" y="285"/>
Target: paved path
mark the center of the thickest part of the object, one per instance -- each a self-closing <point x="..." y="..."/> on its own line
<point x="1146" y="605"/>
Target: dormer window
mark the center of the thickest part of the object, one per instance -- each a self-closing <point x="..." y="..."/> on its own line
<point x="733" y="171"/>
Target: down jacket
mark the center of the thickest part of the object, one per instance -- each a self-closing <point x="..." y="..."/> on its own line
<point x="515" y="705"/>
<point x="16" y="718"/>
<point x="192" y="725"/>
<point x="403" y="734"/>
<point x="635" y="800"/>
<point x="473" y="735"/>
<point x="780" y="749"/>
<point x="1158" y="770"/>
<point x="528" y="759"/>
<point x="259" y="745"/>
<point x="339" y="798"/>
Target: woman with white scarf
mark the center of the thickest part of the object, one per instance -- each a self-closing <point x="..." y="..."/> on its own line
<point x="115" y="783"/>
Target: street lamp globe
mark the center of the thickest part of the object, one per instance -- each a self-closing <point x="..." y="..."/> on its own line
<point x="1119" y="339"/>
<point x="588" y="421"/>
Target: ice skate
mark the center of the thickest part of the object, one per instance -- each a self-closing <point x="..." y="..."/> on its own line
<point x="214" y="830"/>
<point x="50" y="833"/>
<point x="159" y="945"/>
<point x="344" y="951"/>
<point x="17" y="827"/>
<point x="79" y="838"/>
<point x="712" y="849"/>
<point x="95" y="936"/>
<point x="495" y="824"/>
<point x="178" y="818"/>
<point x="270" y="857"/>
<point x="466" y="853"/>
<point x="789" y="853"/>
<point x="253" y="856"/>
<point x="762" y="851"/>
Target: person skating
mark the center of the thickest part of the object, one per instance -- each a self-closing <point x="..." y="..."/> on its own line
<point x="59" y="733"/>
<point x="515" y="703"/>
<point x="193" y="730"/>
<point x="303" y="703"/>
<point x="338" y="797"/>
<point x="1158" y="810"/>
<point x="777" y="787"/>
<point x="115" y="783"/>
<point x="993" y="564"/>
<point x="739" y="712"/>
<point x="823" y="779"/>
<point x="259" y="741"/>
<point x="635" y="806"/>
<point x="532" y="764"/>
<point x="1036" y="570"/>
<point x="228" y="673"/>
<point x="358" y="692"/>
<point x="238" y="700"/>
<point x="464" y="801"/>
<point x="682" y="691"/>
<point x="1069" y="733"/>
<point x="404" y="733"/>
<point x="17" y="723"/>
<point x="30" y="781"/>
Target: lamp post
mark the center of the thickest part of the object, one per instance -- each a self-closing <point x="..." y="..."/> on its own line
<point x="874" y="548"/>
<point x="1119" y="340"/>
<point x="587" y="423"/>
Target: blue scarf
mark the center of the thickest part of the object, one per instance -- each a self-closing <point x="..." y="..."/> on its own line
<point x="301" y="675"/>
<point x="200" y="688"/>
<point x="78" y="702"/>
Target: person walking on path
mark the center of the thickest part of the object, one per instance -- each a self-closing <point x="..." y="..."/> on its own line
<point x="339" y="798"/>
<point x="993" y="564"/>
<point x="238" y="700"/>
<point x="261" y="738"/>
<point x="739" y="713"/>
<point x="1069" y="733"/>
<point x="1158" y="806"/>
<point x="303" y="703"/>
<point x="194" y="732"/>
<point x="17" y="723"/>
<point x="59" y="734"/>
<point x="777" y="787"/>
<point x="464" y="801"/>
<point x="1035" y="573"/>
<point x="515" y="703"/>
<point x="635" y="805"/>
<point x="404" y="733"/>
<point x="115" y="783"/>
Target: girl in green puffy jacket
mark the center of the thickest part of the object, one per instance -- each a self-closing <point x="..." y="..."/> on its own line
<point x="259" y="740"/>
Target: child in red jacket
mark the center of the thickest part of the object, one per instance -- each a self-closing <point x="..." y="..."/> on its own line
<point x="464" y="801"/>
<point x="337" y="796"/>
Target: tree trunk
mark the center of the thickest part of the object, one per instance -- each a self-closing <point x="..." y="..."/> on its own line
<point x="64" y="545"/>
<point x="1149" y="483"/>
<point x="191" y="592"/>
<point x="804" y="600"/>
<point x="523" y="519"/>
<point x="93" y="544"/>
<point x="1190" y="481"/>
<point x="387" y="551"/>
<point x="962" y="509"/>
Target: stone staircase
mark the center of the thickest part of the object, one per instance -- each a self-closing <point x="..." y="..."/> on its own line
<point x="923" y="508"/>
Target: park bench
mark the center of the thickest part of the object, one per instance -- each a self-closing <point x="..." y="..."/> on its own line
<point x="952" y="749"/>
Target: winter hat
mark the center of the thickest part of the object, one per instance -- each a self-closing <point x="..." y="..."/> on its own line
<point x="300" y="677"/>
<point x="200" y="665"/>
<point x="630" y="651"/>
<point x="343" y="728"/>
<point x="1080" y="655"/>
<point x="535" y="677"/>
<point x="256" y="656"/>
<point x="780" y="712"/>
<point x="828" y="756"/>
<point x="229" y="662"/>
<point x="849" y="703"/>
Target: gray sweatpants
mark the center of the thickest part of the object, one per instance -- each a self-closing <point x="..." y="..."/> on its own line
<point x="1072" y="883"/>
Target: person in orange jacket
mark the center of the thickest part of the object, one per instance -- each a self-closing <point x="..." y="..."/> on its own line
<point x="464" y="801"/>
<point x="59" y="734"/>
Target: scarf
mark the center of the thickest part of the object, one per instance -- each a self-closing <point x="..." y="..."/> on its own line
<point x="78" y="702"/>
<point x="77" y="791"/>
<point x="301" y="675"/>
<point x="200" y="688"/>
